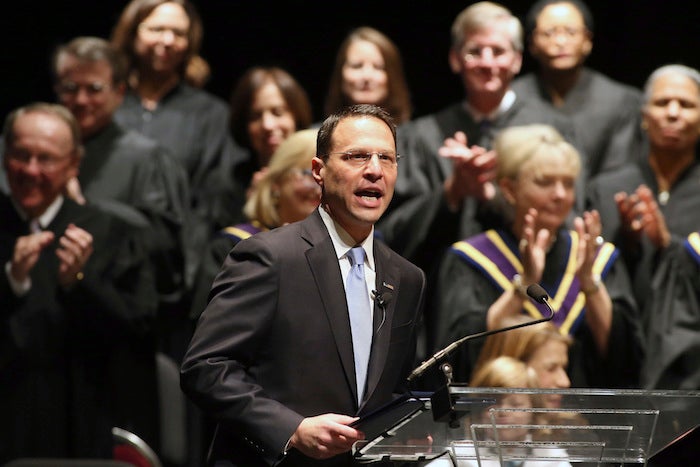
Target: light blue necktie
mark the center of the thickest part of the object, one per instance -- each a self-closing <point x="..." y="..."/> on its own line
<point x="360" y="316"/>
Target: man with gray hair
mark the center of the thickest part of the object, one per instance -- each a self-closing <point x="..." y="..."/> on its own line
<point x="76" y="292"/>
<point x="445" y="190"/>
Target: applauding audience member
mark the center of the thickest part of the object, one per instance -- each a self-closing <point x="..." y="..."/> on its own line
<point x="483" y="278"/>
<point x="655" y="200"/>
<point x="76" y="294"/>
<point x="121" y="166"/>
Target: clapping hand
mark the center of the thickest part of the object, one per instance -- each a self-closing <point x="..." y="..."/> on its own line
<point x="474" y="170"/>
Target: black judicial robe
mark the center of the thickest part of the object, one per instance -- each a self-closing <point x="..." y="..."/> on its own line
<point x="63" y="352"/>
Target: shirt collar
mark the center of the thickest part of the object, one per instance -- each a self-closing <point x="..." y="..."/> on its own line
<point x="506" y="103"/>
<point x="342" y="241"/>
<point x="47" y="216"/>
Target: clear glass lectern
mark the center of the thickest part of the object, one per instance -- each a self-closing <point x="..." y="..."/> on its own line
<point x="592" y="426"/>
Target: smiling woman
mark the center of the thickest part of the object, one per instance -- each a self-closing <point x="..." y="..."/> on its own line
<point x="479" y="276"/>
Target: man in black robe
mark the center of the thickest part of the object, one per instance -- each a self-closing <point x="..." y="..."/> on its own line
<point x="444" y="190"/>
<point x="76" y="293"/>
<point x="605" y="112"/>
<point x="122" y="166"/>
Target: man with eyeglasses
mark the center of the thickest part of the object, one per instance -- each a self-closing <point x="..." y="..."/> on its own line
<point x="445" y="190"/>
<point x="278" y="358"/>
<point x="605" y="112"/>
<point x="76" y="291"/>
<point x="124" y="169"/>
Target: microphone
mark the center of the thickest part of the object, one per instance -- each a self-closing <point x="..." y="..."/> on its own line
<point x="534" y="291"/>
<point x="538" y="294"/>
<point x="382" y="299"/>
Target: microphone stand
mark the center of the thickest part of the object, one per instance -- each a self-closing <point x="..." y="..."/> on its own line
<point x="442" y="403"/>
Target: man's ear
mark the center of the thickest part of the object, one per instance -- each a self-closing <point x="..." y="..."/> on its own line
<point x="517" y="63"/>
<point x="317" y="169"/>
<point x="587" y="43"/>
<point x="455" y="61"/>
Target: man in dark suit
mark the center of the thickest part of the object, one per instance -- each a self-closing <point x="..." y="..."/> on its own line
<point x="75" y="290"/>
<point x="272" y="356"/>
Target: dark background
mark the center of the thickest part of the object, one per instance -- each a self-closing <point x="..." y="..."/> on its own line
<point x="631" y="39"/>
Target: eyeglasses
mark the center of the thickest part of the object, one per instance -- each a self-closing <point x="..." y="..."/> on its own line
<point x="475" y="53"/>
<point x="560" y="31"/>
<point x="304" y="176"/>
<point x="69" y="88"/>
<point x="153" y="31"/>
<point x="46" y="163"/>
<point x="360" y="159"/>
<point x="301" y="173"/>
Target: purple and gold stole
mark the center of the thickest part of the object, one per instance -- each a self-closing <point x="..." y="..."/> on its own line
<point x="496" y="259"/>
<point x="242" y="231"/>
<point x="692" y="245"/>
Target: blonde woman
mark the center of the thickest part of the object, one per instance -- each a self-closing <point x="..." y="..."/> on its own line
<point x="510" y="409"/>
<point x="482" y="279"/>
<point x="286" y="193"/>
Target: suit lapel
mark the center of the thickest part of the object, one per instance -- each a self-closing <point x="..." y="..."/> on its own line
<point x="324" y="266"/>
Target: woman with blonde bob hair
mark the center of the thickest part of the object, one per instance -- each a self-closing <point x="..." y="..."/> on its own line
<point x="272" y="203"/>
<point x="285" y="193"/>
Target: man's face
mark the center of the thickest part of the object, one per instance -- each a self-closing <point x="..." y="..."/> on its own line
<point x="356" y="194"/>
<point x="561" y="40"/>
<point x="672" y="114"/>
<point x="87" y="90"/>
<point x="487" y="62"/>
<point x="40" y="161"/>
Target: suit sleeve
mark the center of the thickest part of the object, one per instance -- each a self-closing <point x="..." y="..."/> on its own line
<point x="232" y="331"/>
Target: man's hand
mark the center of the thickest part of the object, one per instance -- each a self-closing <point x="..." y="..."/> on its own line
<point x="474" y="171"/>
<point x="26" y="253"/>
<point x="325" y="436"/>
<point x="74" y="251"/>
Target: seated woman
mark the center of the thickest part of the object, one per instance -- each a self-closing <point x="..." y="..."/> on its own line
<point x="483" y="279"/>
<point x="545" y="349"/>
<point x="285" y="193"/>
<point x="507" y="421"/>
<point x="541" y="347"/>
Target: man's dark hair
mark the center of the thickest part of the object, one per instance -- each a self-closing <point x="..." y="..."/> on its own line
<point x="325" y="133"/>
